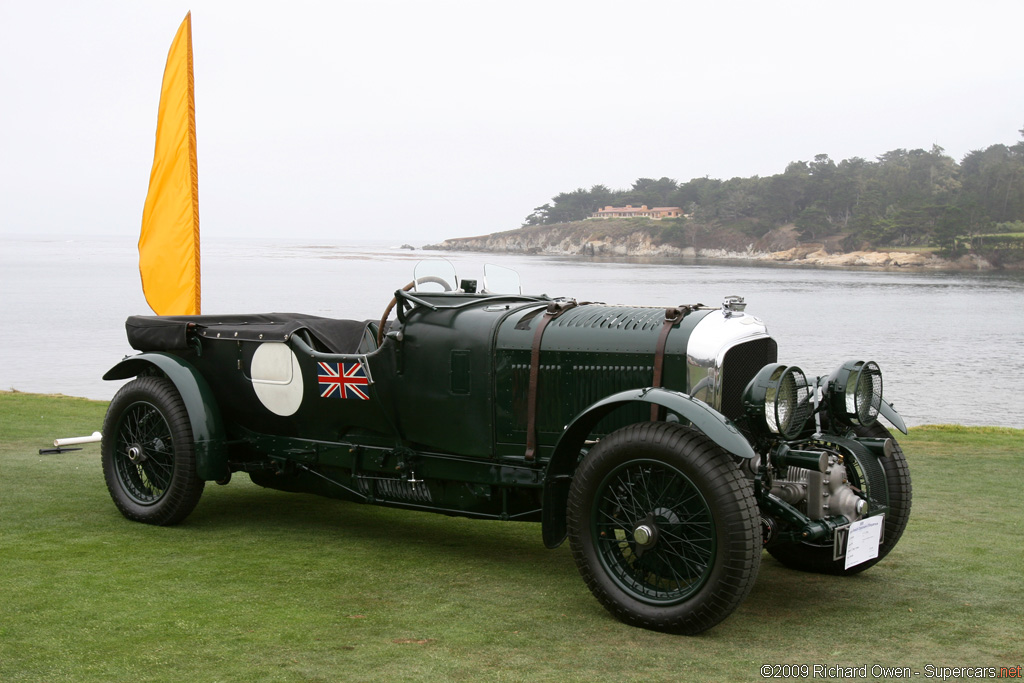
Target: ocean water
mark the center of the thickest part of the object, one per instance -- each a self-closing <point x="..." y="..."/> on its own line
<point x="950" y="345"/>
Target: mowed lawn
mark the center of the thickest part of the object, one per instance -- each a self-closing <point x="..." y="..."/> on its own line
<point x="259" y="585"/>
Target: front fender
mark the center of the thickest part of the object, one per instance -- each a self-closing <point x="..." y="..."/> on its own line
<point x="208" y="433"/>
<point x="565" y="457"/>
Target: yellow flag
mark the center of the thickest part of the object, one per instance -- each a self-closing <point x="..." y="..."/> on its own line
<point x="169" y="241"/>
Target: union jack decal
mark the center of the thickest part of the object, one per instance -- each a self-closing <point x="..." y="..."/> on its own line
<point x="344" y="380"/>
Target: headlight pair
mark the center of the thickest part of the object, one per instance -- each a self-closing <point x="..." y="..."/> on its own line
<point x="779" y="399"/>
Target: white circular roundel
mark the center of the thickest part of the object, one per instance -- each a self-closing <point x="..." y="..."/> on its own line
<point x="277" y="378"/>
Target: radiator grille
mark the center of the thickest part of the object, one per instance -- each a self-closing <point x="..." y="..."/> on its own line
<point x="739" y="366"/>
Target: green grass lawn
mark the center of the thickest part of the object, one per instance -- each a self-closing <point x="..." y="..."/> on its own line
<point x="260" y="585"/>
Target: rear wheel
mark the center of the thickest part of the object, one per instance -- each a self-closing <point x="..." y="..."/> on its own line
<point x="818" y="558"/>
<point x="148" y="455"/>
<point x="663" y="528"/>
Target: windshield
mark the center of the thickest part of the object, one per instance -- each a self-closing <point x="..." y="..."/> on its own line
<point x="435" y="275"/>
<point x="438" y="275"/>
<point x="501" y="280"/>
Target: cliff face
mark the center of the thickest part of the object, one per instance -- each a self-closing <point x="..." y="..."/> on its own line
<point x="627" y="239"/>
<point x="567" y="239"/>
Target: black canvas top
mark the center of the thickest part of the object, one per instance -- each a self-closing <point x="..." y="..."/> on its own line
<point x="171" y="332"/>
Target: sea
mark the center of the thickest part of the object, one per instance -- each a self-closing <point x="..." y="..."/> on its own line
<point x="950" y="344"/>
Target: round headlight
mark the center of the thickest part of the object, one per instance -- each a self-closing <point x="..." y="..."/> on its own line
<point x="778" y="398"/>
<point x="855" y="392"/>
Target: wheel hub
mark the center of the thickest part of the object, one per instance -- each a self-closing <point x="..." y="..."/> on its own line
<point x="136" y="453"/>
<point x="644" y="536"/>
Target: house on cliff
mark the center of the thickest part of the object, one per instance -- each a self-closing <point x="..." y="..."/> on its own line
<point x="630" y="211"/>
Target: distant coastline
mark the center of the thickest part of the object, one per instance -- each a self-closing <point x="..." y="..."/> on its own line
<point x="628" y="240"/>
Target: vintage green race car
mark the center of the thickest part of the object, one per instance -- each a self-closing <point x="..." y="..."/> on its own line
<point x="669" y="446"/>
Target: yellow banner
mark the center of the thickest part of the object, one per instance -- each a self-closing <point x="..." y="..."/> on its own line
<point x="169" y="241"/>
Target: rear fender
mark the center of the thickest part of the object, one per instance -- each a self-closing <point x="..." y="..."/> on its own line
<point x="565" y="457"/>
<point x="208" y="432"/>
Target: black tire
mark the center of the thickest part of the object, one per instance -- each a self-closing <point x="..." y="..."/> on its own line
<point x="148" y="455"/>
<point x="807" y="557"/>
<point x="663" y="528"/>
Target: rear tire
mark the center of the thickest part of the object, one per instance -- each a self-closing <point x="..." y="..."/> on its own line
<point x="815" y="558"/>
<point x="663" y="528"/>
<point x="148" y="454"/>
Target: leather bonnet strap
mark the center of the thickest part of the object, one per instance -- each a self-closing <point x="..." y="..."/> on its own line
<point x="554" y="309"/>
<point x="673" y="316"/>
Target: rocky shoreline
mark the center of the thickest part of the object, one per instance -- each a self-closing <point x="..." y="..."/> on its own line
<point x="553" y="242"/>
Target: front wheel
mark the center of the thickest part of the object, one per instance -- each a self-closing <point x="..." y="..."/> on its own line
<point x="663" y="528"/>
<point x="148" y="455"/>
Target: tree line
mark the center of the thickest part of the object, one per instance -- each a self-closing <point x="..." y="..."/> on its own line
<point x="903" y="198"/>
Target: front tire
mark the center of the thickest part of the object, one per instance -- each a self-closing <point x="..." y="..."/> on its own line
<point x="663" y="528"/>
<point x="148" y="454"/>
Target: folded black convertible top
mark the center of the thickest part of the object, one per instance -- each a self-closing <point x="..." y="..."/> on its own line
<point x="171" y="332"/>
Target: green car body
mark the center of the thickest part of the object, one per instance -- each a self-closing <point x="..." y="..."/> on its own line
<point x="638" y="432"/>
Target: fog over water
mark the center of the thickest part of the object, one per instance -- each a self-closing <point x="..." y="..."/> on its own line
<point x="950" y="345"/>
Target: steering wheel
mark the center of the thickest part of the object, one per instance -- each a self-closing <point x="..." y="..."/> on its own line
<point x="394" y="300"/>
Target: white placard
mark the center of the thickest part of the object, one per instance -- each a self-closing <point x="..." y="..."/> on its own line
<point x="862" y="543"/>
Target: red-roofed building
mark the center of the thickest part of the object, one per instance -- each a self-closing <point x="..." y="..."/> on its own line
<point x="630" y="211"/>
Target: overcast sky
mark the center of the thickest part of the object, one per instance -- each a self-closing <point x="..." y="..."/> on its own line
<point x="417" y="121"/>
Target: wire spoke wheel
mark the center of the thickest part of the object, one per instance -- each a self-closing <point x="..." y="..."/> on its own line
<point x="663" y="527"/>
<point x="148" y="456"/>
<point x="654" y="531"/>
<point x="144" y="453"/>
